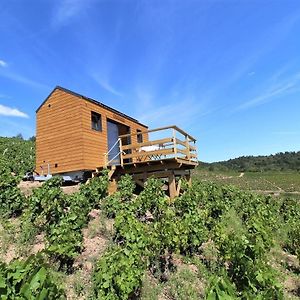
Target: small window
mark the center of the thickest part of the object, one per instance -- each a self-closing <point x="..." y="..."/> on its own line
<point x="139" y="136"/>
<point x="96" y="121"/>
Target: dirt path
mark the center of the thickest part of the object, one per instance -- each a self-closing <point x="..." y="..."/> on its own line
<point x="27" y="186"/>
<point x="280" y="190"/>
<point x="96" y="238"/>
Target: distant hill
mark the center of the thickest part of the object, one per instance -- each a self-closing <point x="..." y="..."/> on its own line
<point x="283" y="161"/>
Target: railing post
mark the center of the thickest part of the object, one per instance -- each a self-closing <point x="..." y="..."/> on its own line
<point x="121" y="152"/>
<point x="105" y="160"/>
<point x="196" y="152"/>
<point x="174" y="142"/>
<point x="187" y="145"/>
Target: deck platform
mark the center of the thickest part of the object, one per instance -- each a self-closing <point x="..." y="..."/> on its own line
<point x="169" y="157"/>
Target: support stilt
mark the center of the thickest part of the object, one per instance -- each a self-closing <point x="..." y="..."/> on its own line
<point x="172" y="186"/>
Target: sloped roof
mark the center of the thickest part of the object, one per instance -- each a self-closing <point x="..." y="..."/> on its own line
<point x="90" y="100"/>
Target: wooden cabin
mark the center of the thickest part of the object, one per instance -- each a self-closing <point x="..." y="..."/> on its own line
<point x="79" y="136"/>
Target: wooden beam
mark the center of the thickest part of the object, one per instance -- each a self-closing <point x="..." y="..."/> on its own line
<point x="168" y="164"/>
<point x="160" y="129"/>
<point x="184" y="133"/>
<point x="149" y="153"/>
<point x="193" y="148"/>
<point x="160" y="174"/>
<point x="189" y="178"/>
<point x="180" y="142"/>
<point x="121" y="152"/>
<point x="149" y="143"/>
<point x="187" y="162"/>
<point x="113" y="186"/>
<point x="172" y="186"/>
<point x="178" y="187"/>
<point x="182" y="151"/>
<point x="174" y="142"/>
<point x="111" y="172"/>
<point x="188" y="153"/>
<point x="139" y="182"/>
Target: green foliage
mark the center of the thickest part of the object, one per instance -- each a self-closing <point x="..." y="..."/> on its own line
<point x="115" y="203"/>
<point x="62" y="217"/>
<point x="229" y="231"/>
<point x="64" y="240"/>
<point x="126" y="187"/>
<point x="95" y="189"/>
<point x="112" y="204"/>
<point x="118" y="274"/>
<point x="17" y="155"/>
<point x="282" y="161"/>
<point x="241" y="226"/>
<point x="11" y="198"/>
<point x="29" y="279"/>
<point x="221" y="288"/>
<point x="47" y="204"/>
<point x="291" y="213"/>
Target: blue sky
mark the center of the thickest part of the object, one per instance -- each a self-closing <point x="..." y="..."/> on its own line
<point x="228" y="72"/>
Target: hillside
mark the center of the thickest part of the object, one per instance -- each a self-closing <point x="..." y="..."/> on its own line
<point x="210" y="242"/>
<point x="283" y="161"/>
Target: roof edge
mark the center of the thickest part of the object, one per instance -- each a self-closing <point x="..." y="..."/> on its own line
<point x="90" y="100"/>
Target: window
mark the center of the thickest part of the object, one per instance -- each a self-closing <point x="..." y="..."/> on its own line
<point x="96" y="121"/>
<point x="139" y="136"/>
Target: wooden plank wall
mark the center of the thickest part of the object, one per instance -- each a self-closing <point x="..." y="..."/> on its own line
<point x="59" y="138"/>
<point x="95" y="142"/>
<point x="64" y="135"/>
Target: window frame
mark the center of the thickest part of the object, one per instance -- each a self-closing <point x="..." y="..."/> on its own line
<point x="139" y="136"/>
<point x="98" y="123"/>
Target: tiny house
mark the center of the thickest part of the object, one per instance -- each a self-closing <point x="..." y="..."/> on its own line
<point x="77" y="137"/>
<point x="74" y="134"/>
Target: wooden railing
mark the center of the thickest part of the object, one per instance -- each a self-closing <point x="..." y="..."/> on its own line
<point x="173" y="142"/>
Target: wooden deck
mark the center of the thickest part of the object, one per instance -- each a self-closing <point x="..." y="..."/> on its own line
<point x="170" y="156"/>
<point x="173" y="142"/>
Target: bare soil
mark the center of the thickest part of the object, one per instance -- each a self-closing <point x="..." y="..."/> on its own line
<point x="27" y="186"/>
<point x="95" y="241"/>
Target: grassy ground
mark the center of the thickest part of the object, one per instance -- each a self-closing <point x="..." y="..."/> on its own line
<point x="285" y="184"/>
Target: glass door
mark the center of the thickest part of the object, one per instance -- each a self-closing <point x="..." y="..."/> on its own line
<point x="113" y="144"/>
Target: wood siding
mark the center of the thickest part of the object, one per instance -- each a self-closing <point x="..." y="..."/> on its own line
<point x="95" y="142"/>
<point x="64" y="136"/>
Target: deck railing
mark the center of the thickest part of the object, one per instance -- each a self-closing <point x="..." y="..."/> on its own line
<point x="171" y="142"/>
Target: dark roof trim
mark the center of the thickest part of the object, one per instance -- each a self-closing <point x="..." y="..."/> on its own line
<point x="90" y="100"/>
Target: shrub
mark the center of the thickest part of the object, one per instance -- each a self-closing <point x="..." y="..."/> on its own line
<point x="11" y="198"/>
<point x="28" y="279"/>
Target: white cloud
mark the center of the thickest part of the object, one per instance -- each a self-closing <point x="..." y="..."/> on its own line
<point x="273" y="91"/>
<point x="24" y="80"/>
<point x="183" y="113"/>
<point x="3" y="63"/>
<point x="67" y="10"/>
<point x="12" y="112"/>
<point x="104" y="83"/>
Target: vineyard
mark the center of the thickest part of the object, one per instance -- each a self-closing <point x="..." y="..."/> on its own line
<point x="210" y="242"/>
<point x="17" y="155"/>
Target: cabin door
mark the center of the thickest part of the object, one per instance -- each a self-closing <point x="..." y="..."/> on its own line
<point x="113" y="144"/>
